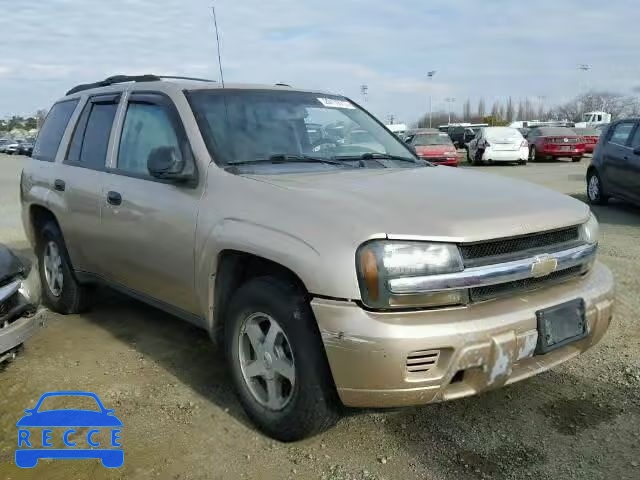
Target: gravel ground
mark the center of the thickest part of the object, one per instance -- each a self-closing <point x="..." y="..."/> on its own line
<point x="181" y="420"/>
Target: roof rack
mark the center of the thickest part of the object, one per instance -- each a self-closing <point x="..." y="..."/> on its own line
<point x="130" y="78"/>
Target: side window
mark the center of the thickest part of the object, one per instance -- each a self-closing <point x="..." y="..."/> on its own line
<point x="621" y="133"/>
<point x="635" y="141"/>
<point x="51" y="132"/>
<point x="88" y="146"/>
<point x="147" y="126"/>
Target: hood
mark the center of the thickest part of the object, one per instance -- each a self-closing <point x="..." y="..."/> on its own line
<point x="10" y="265"/>
<point x="435" y="150"/>
<point x="436" y="203"/>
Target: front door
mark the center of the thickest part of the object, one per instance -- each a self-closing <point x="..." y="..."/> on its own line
<point x="149" y="224"/>
<point x="632" y="184"/>
<point x="615" y="155"/>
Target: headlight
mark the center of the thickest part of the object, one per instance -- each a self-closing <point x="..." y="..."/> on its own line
<point x="590" y="230"/>
<point x="380" y="262"/>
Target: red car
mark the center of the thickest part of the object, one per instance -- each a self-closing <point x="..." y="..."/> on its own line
<point x="555" y="142"/>
<point x="435" y="147"/>
<point x="591" y="137"/>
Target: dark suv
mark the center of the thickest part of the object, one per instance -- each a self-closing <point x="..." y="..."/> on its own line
<point x="615" y="167"/>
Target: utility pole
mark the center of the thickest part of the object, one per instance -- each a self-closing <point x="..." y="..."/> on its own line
<point x="450" y="100"/>
<point x="430" y="75"/>
<point x="364" y="90"/>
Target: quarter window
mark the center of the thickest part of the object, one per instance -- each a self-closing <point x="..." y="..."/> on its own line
<point x="621" y="133"/>
<point x="146" y="127"/>
<point x="50" y="136"/>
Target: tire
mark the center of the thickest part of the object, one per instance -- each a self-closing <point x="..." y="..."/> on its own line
<point x="477" y="160"/>
<point x="311" y="403"/>
<point x="595" y="190"/>
<point x="63" y="294"/>
<point x="533" y="155"/>
<point x="469" y="159"/>
<point x="576" y="159"/>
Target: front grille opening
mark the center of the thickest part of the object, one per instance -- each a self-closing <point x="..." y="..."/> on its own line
<point x="422" y="361"/>
<point x="483" y="253"/>
<point x="479" y="294"/>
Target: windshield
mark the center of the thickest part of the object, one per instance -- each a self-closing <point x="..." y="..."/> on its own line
<point x="431" y="139"/>
<point x="245" y="126"/>
<point x="502" y="132"/>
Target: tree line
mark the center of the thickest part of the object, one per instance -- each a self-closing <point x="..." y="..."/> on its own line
<point x="505" y="111"/>
<point x="18" y="122"/>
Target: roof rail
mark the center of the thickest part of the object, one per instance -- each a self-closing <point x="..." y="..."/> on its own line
<point x="130" y="78"/>
<point x="113" y="80"/>
<point x="280" y="84"/>
<point x="174" y="77"/>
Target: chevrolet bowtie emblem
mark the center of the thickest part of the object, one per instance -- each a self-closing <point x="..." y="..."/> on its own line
<point x="543" y="265"/>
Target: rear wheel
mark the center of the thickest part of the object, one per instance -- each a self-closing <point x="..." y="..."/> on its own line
<point x="595" y="191"/>
<point x="576" y="159"/>
<point x="60" y="289"/>
<point x="469" y="159"/>
<point x="532" y="154"/>
<point x="277" y="360"/>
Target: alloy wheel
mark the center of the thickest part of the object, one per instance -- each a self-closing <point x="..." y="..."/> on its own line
<point x="266" y="361"/>
<point x="593" y="189"/>
<point x="53" y="268"/>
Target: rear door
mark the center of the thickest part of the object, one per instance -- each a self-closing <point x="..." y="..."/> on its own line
<point x="148" y="224"/>
<point x="81" y="177"/>
<point x="615" y="156"/>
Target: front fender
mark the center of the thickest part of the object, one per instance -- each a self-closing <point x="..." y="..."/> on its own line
<point x="283" y="248"/>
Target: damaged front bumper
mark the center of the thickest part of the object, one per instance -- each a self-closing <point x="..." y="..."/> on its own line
<point x="19" y="298"/>
<point x="395" y="359"/>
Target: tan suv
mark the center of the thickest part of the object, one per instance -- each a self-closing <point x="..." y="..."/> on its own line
<point x="333" y="272"/>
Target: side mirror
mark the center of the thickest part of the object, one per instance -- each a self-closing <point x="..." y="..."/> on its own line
<point x="166" y="163"/>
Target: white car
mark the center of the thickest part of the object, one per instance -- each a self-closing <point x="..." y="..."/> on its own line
<point x="498" y="144"/>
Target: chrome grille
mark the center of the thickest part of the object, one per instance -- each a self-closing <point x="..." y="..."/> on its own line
<point x="506" y="249"/>
<point x="488" y="292"/>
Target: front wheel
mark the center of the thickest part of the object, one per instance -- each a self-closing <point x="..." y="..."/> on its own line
<point x="576" y="159"/>
<point x="277" y="360"/>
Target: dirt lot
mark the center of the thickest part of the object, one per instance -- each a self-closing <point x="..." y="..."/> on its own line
<point x="168" y="385"/>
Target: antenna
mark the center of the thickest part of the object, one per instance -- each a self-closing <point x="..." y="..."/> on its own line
<point x="215" y="24"/>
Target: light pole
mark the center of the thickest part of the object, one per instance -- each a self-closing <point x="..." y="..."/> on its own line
<point x="585" y="67"/>
<point x="450" y="100"/>
<point x="430" y="75"/>
<point x="364" y="89"/>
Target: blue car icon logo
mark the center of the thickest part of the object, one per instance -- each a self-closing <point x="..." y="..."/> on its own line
<point x="102" y="423"/>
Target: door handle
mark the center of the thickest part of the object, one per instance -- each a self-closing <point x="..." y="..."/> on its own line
<point x="59" y="185"/>
<point x="114" y="198"/>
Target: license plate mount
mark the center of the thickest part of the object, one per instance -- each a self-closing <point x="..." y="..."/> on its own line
<point x="560" y="325"/>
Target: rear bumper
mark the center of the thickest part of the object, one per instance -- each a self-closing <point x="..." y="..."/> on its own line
<point x="449" y="163"/>
<point x="487" y="344"/>
<point x="560" y="153"/>
<point x="505" y="155"/>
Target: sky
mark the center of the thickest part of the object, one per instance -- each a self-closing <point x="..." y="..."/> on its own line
<point x="490" y="49"/>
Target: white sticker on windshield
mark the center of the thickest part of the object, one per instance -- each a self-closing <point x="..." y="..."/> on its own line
<point x="334" y="103"/>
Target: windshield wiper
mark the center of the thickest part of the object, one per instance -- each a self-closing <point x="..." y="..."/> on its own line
<point x="376" y="156"/>
<point x="288" y="158"/>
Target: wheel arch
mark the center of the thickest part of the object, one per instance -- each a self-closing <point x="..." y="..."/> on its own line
<point x="234" y="269"/>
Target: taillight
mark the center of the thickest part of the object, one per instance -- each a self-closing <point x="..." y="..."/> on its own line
<point x="524" y="144"/>
<point x="486" y="144"/>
